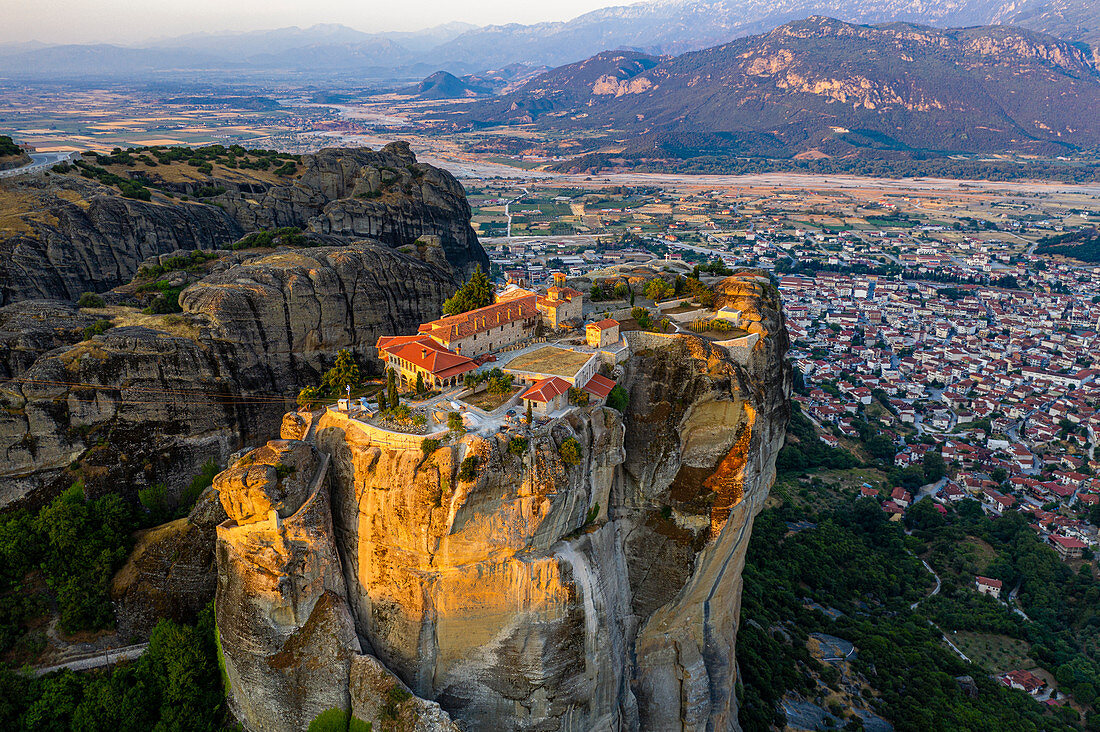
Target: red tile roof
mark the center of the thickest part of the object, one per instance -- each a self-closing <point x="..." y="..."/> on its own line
<point x="1067" y="542"/>
<point x="453" y="327"/>
<point x="425" y="353"/>
<point x="546" y="389"/>
<point x="986" y="581"/>
<point x="599" y="386"/>
<point x="605" y="324"/>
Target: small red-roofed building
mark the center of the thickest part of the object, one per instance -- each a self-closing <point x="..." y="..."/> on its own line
<point x="901" y="497"/>
<point x="1025" y="681"/>
<point x="988" y="586"/>
<point x="546" y="396"/>
<point x="599" y="387"/>
<point x="895" y="511"/>
<point x="602" y="333"/>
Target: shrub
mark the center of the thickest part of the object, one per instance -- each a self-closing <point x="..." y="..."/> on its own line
<point x="578" y="397"/>
<point x="618" y="398"/>
<point x="641" y="317"/>
<point x="428" y="446"/>
<point x="309" y="396"/>
<point x="90" y="300"/>
<point x="467" y="470"/>
<point x="99" y="327"/>
<point x="517" y="446"/>
<point x="198" y="484"/>
<point x="330" y="720"/>
<point x="455" y="424"/>
<point x="155" y="500"/>
<point x="570" y="451"/>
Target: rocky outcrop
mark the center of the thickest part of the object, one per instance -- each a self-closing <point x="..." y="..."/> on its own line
<point x="154" y="401"/>
<point x="384" y="195"/>
<point x="74" y="236"/>
<point x="544" y="595"/>
<point x="64" y="235"/>
<point x="286" y="635"/>
<point x="171" y="573"/>
<point x="30" y="329"/>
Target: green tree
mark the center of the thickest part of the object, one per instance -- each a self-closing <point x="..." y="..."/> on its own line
<point x="477" y="292"/>
<point x="456" y="425"/>
<point x="618" y="398"/>
<point x="517" y="446"/>
<point x="344" y="373"/>
<point x="391" y="388"/>
<point x="467" y="469"/>
<point x="530" y="416"/>
<point x="419" y="383"/>
<point x="570" y="451"/>
<point x="934" y="467"/>
<point x="428" y="446"/>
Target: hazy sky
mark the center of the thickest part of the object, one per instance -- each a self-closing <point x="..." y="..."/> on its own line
<point x="81" y="21"/>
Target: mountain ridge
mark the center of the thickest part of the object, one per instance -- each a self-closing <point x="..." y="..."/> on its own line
<point x="832" y="87"/>
<point x="658" y="28"/>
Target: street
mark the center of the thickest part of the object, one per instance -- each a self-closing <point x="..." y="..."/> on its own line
<point x="39" y="162"/>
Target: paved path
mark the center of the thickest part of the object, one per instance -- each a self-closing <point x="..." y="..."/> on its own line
<point x="39" y="163"/>
<point x="98" y="660"/>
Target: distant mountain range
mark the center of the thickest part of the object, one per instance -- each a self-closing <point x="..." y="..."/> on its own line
<point x="664" y="27"/>
<point x="823" y="88"/>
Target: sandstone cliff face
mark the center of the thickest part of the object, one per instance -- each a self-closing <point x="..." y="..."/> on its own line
<point x="285" y="631"/>
<point x="63" y="235"/>
<point x="148" y="403"/>
<point x="547" y="596"/>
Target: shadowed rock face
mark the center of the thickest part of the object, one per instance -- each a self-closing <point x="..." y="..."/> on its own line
<point x="548" y="596"/>
<point x="72" y="235"/>
<point x="142" y="404"/>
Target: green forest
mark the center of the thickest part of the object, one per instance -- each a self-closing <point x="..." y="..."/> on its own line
<point x="905" y="673"/>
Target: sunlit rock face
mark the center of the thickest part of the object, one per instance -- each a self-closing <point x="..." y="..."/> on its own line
<point x="547" y="596"/>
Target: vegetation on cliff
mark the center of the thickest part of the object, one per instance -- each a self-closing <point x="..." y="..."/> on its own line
<point x="8" y="147"/>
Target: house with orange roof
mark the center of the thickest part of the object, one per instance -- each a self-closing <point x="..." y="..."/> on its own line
<point x="409" y="356"/>
<point x="546" y="396"/>
<point x="602" y="333"/>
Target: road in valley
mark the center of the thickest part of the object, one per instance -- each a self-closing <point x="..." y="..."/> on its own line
<point x="39" y="163"/>
<point x="97" y="660"/>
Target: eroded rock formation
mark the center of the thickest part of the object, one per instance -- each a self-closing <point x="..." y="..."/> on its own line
<point x="155" y="400"/>
<point x="65" y="235"/>
<point x="542" y="595"/>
